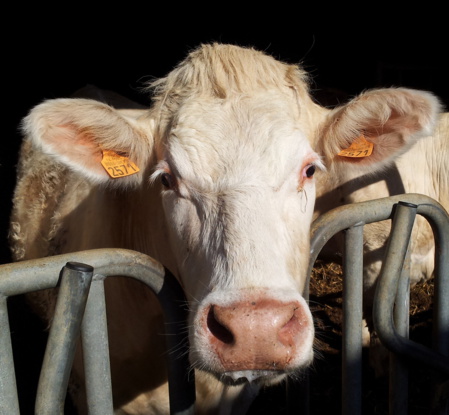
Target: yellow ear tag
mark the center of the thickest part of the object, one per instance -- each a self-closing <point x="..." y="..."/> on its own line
<point x="360" y="147"/>
<point x="116" y="165"/>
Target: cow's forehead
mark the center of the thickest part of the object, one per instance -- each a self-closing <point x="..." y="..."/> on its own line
<point x="243" y="137"/>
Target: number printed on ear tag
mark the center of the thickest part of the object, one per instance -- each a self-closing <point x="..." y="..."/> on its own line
<point x="360" y="147"/>
<point x="117" y="166"/>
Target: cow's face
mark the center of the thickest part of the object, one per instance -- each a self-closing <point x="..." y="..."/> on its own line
<point x="230" y="129"/>
<point x="238" y="194"/>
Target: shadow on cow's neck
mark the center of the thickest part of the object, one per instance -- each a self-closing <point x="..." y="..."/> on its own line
<point x="339" y="196"/>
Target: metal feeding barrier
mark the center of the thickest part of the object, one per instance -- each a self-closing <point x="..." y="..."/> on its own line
<point x="80" y="310"/>
<point x="391" y="301"/>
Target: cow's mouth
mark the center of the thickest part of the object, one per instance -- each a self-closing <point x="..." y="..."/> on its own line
<point x="237" y="377"/>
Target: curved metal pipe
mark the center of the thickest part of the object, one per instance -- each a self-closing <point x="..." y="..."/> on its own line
<point x="38" y="274"/>
<point x="387" y="287"/>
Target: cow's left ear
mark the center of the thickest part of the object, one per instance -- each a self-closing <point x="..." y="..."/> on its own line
<point x="104" y="144"/>
<point x="377" y="126"/>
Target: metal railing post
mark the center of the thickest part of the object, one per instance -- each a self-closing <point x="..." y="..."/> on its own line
<point x="94" y="336"/>
<point x="62" y="339"/>
<point x="9" y="402"/>
<point x="396" y="338"/>
<point x="352" y="321"/>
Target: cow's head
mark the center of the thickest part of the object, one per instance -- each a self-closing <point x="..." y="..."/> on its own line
<point x="234" y="141"/>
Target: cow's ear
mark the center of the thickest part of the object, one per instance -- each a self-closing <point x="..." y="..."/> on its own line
<point x="377" y="126"/>
<point x="92" y="138"/>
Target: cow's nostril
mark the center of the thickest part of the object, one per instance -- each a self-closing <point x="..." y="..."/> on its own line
<point x="219" y="331"/>
<point x="289" y="331"/>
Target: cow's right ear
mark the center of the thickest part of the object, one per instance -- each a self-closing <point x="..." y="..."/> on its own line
<point x="83" y="133"/>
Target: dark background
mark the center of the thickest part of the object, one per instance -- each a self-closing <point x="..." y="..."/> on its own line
<point x="52" y="53"/>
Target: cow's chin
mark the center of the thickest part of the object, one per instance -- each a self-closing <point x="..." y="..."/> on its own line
<point x="261" y="377"/>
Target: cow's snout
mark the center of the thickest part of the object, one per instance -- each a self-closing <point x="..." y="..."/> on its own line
<point x="260" y="334"/>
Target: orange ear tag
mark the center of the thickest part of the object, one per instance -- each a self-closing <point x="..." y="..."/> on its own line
<point x="360" y="147"/>
<point x="116" y="165"/>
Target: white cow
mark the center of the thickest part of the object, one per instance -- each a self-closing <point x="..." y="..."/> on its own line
<point x="216" y="180"/>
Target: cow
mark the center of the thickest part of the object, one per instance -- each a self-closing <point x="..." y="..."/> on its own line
<point x="217" y="180"/>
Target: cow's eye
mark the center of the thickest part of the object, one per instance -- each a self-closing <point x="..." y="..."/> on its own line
<point x="309" y="171"/>
<point x="166" y="180"/>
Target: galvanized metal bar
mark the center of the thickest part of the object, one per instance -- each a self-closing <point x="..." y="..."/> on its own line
<point x="352" y="321"/>
<point x="440" y="343"/>
<point x="342" y="218"/>
<point x="62" y="338"/>
<point x="375" y="210"/>
<point x="398" y="374"/>
<point x="385" y="297"/>
<point x="9" y="402"/>
<point x="94" y="336"/>
<point x="398" y="385"/>
<point x="440" y="226"/>
<point x="37" y="274"/>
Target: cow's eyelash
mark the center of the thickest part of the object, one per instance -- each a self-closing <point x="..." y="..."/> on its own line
<point x="155" y="176"/>
<point x="161" y="168"/>
<point x="318" y="164"/>
<point x="165" y="177"/>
